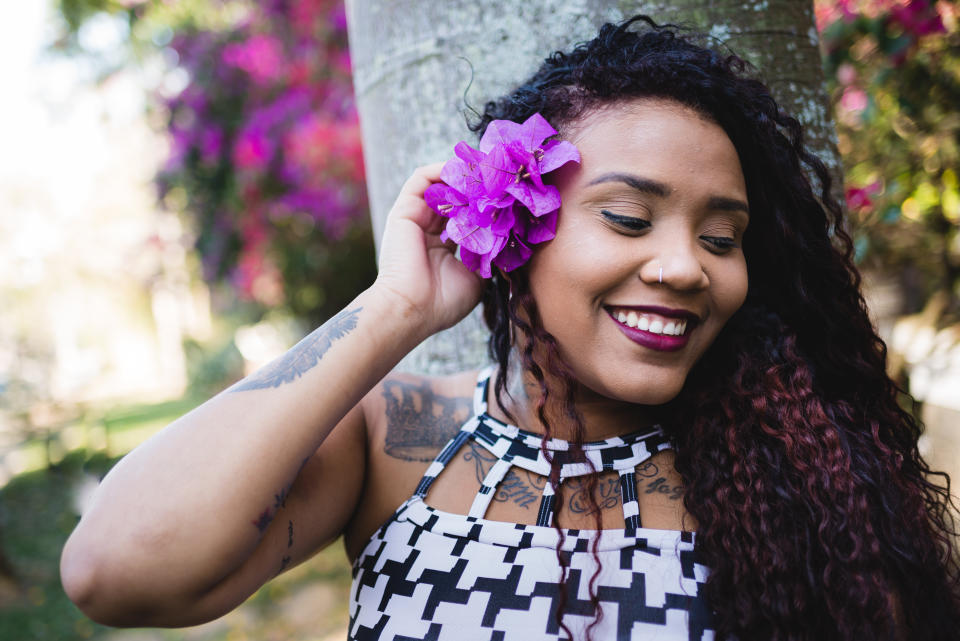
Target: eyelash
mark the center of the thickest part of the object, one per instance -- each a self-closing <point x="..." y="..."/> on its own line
<point x="719" y="244"/>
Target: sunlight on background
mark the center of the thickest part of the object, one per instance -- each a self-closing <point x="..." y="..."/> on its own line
<point x="99" y="295"/>
<point x="96" y="295"/>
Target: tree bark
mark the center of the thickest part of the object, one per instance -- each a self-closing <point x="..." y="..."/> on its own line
<point x="422" y="66"/>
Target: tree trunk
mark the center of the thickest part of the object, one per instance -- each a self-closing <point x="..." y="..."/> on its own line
<point x="420" y="66"/>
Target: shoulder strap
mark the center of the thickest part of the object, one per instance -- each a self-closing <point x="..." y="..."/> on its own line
<point x="481" y="389"/>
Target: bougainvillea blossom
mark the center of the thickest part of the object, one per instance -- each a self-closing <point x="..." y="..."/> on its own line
<point x="265" y="142"/>
<point x="495" y="197"/>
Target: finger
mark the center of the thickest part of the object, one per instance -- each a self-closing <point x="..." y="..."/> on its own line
<point x="435" y="223"/>
<point x="422" y="178"/>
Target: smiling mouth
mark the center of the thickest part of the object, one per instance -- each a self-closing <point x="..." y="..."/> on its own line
<point x="657" y="328"/>
<point x="657" y="321"/>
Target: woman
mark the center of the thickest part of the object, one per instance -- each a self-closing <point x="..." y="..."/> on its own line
<point x="708" y="445"/>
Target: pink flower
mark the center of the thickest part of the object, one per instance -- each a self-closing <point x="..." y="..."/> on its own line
<point x="252" y="150"/>
<point x="495" y="197"/>
<point x="846" y="74"/>
<point x="917" y="17"/>
<point x="261" y="56"/>
<point x="854" y="99"/>
<point x="858" y="198"/>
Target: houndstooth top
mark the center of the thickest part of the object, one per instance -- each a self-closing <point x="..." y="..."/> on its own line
<point x="433" y="575"/>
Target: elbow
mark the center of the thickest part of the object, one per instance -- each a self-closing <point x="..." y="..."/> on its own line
<point x="85" y="578"/>
<point x="78" y="571"/>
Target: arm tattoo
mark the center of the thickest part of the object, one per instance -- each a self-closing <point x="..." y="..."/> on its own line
<point x="303" y="356"/>
<point x="285" y="561"/>
<point x="419" y="421"/>
<point x="262" y="522"/>
<point x="279" y="501"/>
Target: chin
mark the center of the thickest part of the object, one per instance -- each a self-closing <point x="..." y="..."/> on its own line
<point x="649" y="390"/>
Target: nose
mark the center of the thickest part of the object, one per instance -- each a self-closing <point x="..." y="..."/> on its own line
<point x="676" y="265"/>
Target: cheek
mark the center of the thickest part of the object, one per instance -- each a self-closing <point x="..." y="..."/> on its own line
<point x="731" y="289"/>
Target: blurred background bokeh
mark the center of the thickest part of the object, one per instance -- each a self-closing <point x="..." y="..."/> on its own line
<point x="182" y="197"/>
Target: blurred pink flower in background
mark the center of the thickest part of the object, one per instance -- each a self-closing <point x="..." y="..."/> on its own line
<point x="858" y="198"/>
<point x="261" y="56"/>
<point x="252" y="150"/>
<point x="854" y="99"/>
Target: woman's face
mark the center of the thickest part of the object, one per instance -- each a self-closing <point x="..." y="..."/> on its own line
<point x="647" y="264"/>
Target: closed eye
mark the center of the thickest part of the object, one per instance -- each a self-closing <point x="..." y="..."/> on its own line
<point x="720" y="244"/>
<point x="631" y="223"/>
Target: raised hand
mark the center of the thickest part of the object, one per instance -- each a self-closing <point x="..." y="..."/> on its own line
<point x="416" y="267"/>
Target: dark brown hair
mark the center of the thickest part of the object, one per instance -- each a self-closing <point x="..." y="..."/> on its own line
<point x="816" y="511"/>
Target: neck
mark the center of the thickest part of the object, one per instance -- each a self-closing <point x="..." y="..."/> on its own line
<point x="602" y="417"/>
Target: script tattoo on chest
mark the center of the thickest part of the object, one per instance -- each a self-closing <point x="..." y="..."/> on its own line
<point x="303" y="356"/>
<point x="524" y="488"/>
<point x="518" y="486"/>
<point x="420" y="421"/>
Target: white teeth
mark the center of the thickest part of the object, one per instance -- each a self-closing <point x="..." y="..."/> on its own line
<point x="632" y="318"/>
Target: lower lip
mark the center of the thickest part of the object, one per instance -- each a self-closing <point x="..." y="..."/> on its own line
<point x="659" y="342"/>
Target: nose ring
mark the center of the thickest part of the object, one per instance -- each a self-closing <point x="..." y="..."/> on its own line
<point x="661" y="274"/>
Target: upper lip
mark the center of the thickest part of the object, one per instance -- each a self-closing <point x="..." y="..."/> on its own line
<point x="671" y="312"/>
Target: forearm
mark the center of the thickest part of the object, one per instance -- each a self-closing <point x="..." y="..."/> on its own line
<point x="188" y="506"/>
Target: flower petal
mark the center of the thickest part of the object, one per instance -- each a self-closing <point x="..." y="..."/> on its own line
<point x="558" y="153"/>
<point x="542" y="229"/>
<point x="499" y="132"/>
<point x="438" y="195"/>
<point x="498" y="171"/>
<point x="503" y="221"/>
<point x="514" y="254"/>
<point x="538" y="201"/>
<point x="535" y="130"/>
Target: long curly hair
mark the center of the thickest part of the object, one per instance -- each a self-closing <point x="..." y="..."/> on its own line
<point x="817" y="516"/>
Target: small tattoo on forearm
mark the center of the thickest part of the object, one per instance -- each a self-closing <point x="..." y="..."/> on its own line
<point x="419" y="421"/>
<point x="284" y="562"/>
<point x="262" y="522"/>
<point x="303" y="356"/>
<point x="290" y="534"/>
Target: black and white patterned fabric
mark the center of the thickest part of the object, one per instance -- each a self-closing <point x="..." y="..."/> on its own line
<point x="433" y="575"/>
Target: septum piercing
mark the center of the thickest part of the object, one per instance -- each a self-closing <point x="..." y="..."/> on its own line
<point x="661" y="274"/>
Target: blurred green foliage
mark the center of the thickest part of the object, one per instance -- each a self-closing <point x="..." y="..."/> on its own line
<point x="38" y="510"/>
<point x="893" y="67"/>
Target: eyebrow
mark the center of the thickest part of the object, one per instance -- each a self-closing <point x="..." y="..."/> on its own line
<point x="647" y="186"/>
<point x="640" y="184"/>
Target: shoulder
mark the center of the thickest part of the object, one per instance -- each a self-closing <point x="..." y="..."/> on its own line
<point x="412" y="417"/>
<point x="409" y="419"/>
